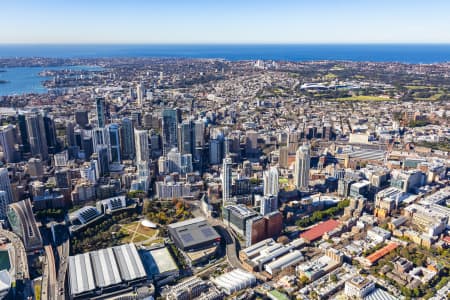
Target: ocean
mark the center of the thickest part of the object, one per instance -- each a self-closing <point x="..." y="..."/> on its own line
<point x="26" y="80"/>
<point x="406" y="53"/>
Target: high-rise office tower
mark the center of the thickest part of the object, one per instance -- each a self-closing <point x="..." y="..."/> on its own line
<point x="70" y="134"/>
<point x="271" y="186"/>
<point x="174" y="160"/>
<point x="284" y="157"/>
<point x="199" y="133"/>
<point x="170" y="120"/>
<point x="101" y="109"/>
<point x="114" y="142"/>
<point x="127" y="139"/>
<point x="7" y="143"/>
<point x="269" y="203"/>
<point x="100" y="136"/>
<point x="50" y="134"/>
<point x="82" y="118"/>
<point x="147" y="120"/>
<point x="36" y="134"/>
<point x="226" y="180"/>
<point x="102" y="159"/>
<point x="87" y="146"/>
<point x="7" y="197"/>
<point x="251" y="146"/>
<point x="302" y="163"/>
<point x="25" y="143"/>
<point x="186" y="137"/>
<point x="141" y="142"/>
<point x="215" y="151"/>
<point x="62" y="178"/>
<point x="186" y="163"/>
<point x="140" y="94"/>
<point x="136" y="118"/>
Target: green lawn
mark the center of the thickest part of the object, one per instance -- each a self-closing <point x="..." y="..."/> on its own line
<point x="142" y="233"/>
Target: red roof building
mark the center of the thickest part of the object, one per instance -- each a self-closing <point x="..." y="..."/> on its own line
<point x="319" y="230"/>
<point x="374" y="257"/>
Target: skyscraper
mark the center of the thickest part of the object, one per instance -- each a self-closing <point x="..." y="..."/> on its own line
<point x="268" y="204"/>
<point x="6" y="196"/>
<point x="226" y="180"/>
<point x="7" y="143"/>
<point x="127" y="139"/>
<point x="140" y="94"/>
<point x="50" y="134"/>
<point x="114" y="142"/>
<point x="102" y="159"/>
<point x="36" y="134"/>
<point x="25" y="143"/>
<point x="199" y="133"/>
<point x="251" y="145"/>
<point x="81" y="117"/>
<point x="101" y="111"/>
<point x="174" y="160"/>
<point x="216" y="150"/>
<point x="271" y="182"/>
<point x="301" y="171"/>
<point x="186" y="137"/>
<point x="170" y="120"/>
<point x="141" y="142"/>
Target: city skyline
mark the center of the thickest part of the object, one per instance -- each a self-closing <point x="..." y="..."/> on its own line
<point x="202" y="22"/>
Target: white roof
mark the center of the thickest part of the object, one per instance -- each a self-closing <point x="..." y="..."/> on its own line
<point x="284" y="261"/>
<point x="234" y="281"/>
<point x="81" y="277"/>
<point x="147" y="223"/>
<point x="129" y="262"/>
<point x="105" y="267"/>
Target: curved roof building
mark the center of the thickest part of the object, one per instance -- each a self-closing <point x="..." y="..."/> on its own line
<point x="21" y="217"/>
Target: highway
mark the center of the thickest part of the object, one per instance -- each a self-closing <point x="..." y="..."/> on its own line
<point x="63" y="254"/>
<point x="48" y="287"/>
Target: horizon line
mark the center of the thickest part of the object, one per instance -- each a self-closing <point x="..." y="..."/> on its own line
<point x="217" y="43"/>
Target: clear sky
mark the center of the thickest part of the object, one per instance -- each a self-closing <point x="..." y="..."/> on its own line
<point x="225" y="21"/>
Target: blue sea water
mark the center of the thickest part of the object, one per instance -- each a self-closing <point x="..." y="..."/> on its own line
<point x="407" y="53"/>
<point x="26" y="80"/>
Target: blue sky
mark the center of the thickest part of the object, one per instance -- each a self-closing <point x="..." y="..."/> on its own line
<point x="226" y="21"/>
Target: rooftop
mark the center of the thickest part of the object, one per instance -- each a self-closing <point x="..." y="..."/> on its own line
<point x="319" y="230"/>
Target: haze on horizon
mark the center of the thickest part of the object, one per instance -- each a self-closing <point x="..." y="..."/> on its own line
<point x="233" y="21"/>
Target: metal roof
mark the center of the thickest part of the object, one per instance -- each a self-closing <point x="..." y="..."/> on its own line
<point x="193" y="232"/>
<point x="105" y="268"/>
<point x="235" y="280"/>
<point x="81" y="278"/>
<point x="129" y="262"/>
<point x="284" y="261"/>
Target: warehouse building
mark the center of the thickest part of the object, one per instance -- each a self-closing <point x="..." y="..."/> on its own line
<point x="284" y="262"/>
<point x="110" y="270"/>
<point x="234" y="281"/>
<point x="257" y="256"/>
